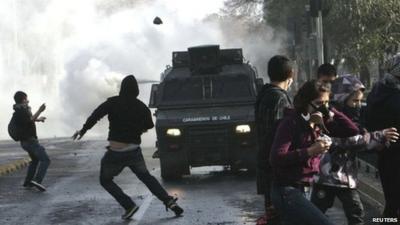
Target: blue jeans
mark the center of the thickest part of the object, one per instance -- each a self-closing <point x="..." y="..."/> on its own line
<point x="113" y="163"/>
<point x="40" y="160"/>
<point x="295" y="209"/>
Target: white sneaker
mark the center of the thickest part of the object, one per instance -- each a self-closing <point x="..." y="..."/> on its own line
<point x="40" y="187"/>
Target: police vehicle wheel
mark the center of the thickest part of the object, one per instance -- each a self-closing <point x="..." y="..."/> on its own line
<point x="170" y="176"/>
<point x="169" y="170"/>
<point x="235" y="169"/>
<point x="252" y="170"/>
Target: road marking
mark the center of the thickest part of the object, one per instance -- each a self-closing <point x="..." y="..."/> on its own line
<point x="146" y="203"/>
<point x="143" y="208"/>
<point x="9" y="205"/>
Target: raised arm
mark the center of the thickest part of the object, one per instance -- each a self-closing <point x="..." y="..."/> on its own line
<point x="368" y="141"/>
<point x="35" y="117"/>
<point x="97" y="114"/>
<point x="341" y="126"/>
<point x="148" y="121"/>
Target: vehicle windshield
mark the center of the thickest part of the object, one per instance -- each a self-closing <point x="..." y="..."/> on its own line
<point x="207" y="89"/>
<point x="183" y="90"/>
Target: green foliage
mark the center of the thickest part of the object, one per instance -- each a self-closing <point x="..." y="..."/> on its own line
<point x="245" y="10"/>
<point x="359" y="29"/>
<point x="277" y="12"/>
<point x="363" y="29"/>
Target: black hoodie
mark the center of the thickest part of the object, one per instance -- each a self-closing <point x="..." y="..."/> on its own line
<point x="23" y="120"/>
<point x="128" y="116"/>
<point x="383" y="106"/>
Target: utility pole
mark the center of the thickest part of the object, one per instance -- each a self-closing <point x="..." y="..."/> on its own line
<point x="320" y="38"/>
<point x="316" y="14"/>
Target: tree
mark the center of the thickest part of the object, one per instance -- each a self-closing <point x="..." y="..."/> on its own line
<point x="278" y="12"/>
<point x="246" y="10"/>
<point x="364" y="30"/>
<point x="360" y="31"/>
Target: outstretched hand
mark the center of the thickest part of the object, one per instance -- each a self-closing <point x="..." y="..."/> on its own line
<point x="391" y="134"/>
<point x="41" y="119"/>
<point x="42" y="107"/>
<point x="77" y="136"/>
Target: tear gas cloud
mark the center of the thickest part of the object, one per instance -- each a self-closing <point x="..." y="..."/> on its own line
<point x="73" y="54"/>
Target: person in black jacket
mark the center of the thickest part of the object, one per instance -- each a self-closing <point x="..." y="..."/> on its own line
<point x="383" y="110"/>
<point x="270" y="104"/>
<point x="129" y="118"/>
<point x="25" y="123"/>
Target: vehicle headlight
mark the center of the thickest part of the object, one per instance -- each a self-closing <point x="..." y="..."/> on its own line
<point x="174" y="132"/>
<point x="240" y="129"/>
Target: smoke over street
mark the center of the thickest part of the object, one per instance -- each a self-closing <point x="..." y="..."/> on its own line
<point x="73" y="54"/>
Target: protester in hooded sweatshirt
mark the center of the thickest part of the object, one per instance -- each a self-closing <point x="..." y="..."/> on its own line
<point x="338" y="169"/>
<point x="383" y="110"/>
<point x="271" y="101"/>
<point x="25" y="123"/>
<point x="129" y="118"/>
<point x="296" y="152"/>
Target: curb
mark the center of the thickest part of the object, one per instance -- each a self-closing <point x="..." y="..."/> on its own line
<point x="371" y="193"/>
<point x="369" y="183"/>
<point x="13" y="166"/>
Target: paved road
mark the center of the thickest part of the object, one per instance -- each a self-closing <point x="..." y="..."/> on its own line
<point x="210" y="196"/>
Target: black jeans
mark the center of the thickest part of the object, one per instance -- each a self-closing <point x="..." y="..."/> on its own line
<point x="113" y="163"/>
<point x="389" y="171"/>
<point x="39" y="160"/>
<point x="323" y="197"/>
<point x="264" y="184"/>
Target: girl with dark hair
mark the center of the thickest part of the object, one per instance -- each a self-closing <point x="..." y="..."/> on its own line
<point x="296" y="151"/>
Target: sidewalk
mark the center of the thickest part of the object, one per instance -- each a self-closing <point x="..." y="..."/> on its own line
<point x="12" y="157"/>
<point x="369" y="183"/>
<point x="13" y="166"/>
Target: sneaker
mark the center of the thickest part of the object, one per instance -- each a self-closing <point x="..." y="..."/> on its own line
<point x="156" y="155"/>
<point x="268" y="220"/>
<point x="262" y="220"/>
<point x="39" y="186"/>
<point x="174" y="207"/>
<point x="130" y="212"/>
<point x="27" y="185"/>
<point x="271" y="213"/>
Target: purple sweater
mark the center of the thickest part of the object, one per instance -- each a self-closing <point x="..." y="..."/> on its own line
<point x="289" y="158"/>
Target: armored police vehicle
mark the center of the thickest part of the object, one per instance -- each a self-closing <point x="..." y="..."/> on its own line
<point x="205" y="111"/>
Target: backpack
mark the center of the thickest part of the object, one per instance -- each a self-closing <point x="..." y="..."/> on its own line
<point x="13" y="129"/>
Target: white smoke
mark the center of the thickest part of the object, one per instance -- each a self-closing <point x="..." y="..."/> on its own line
<point x="73" y="54"/>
